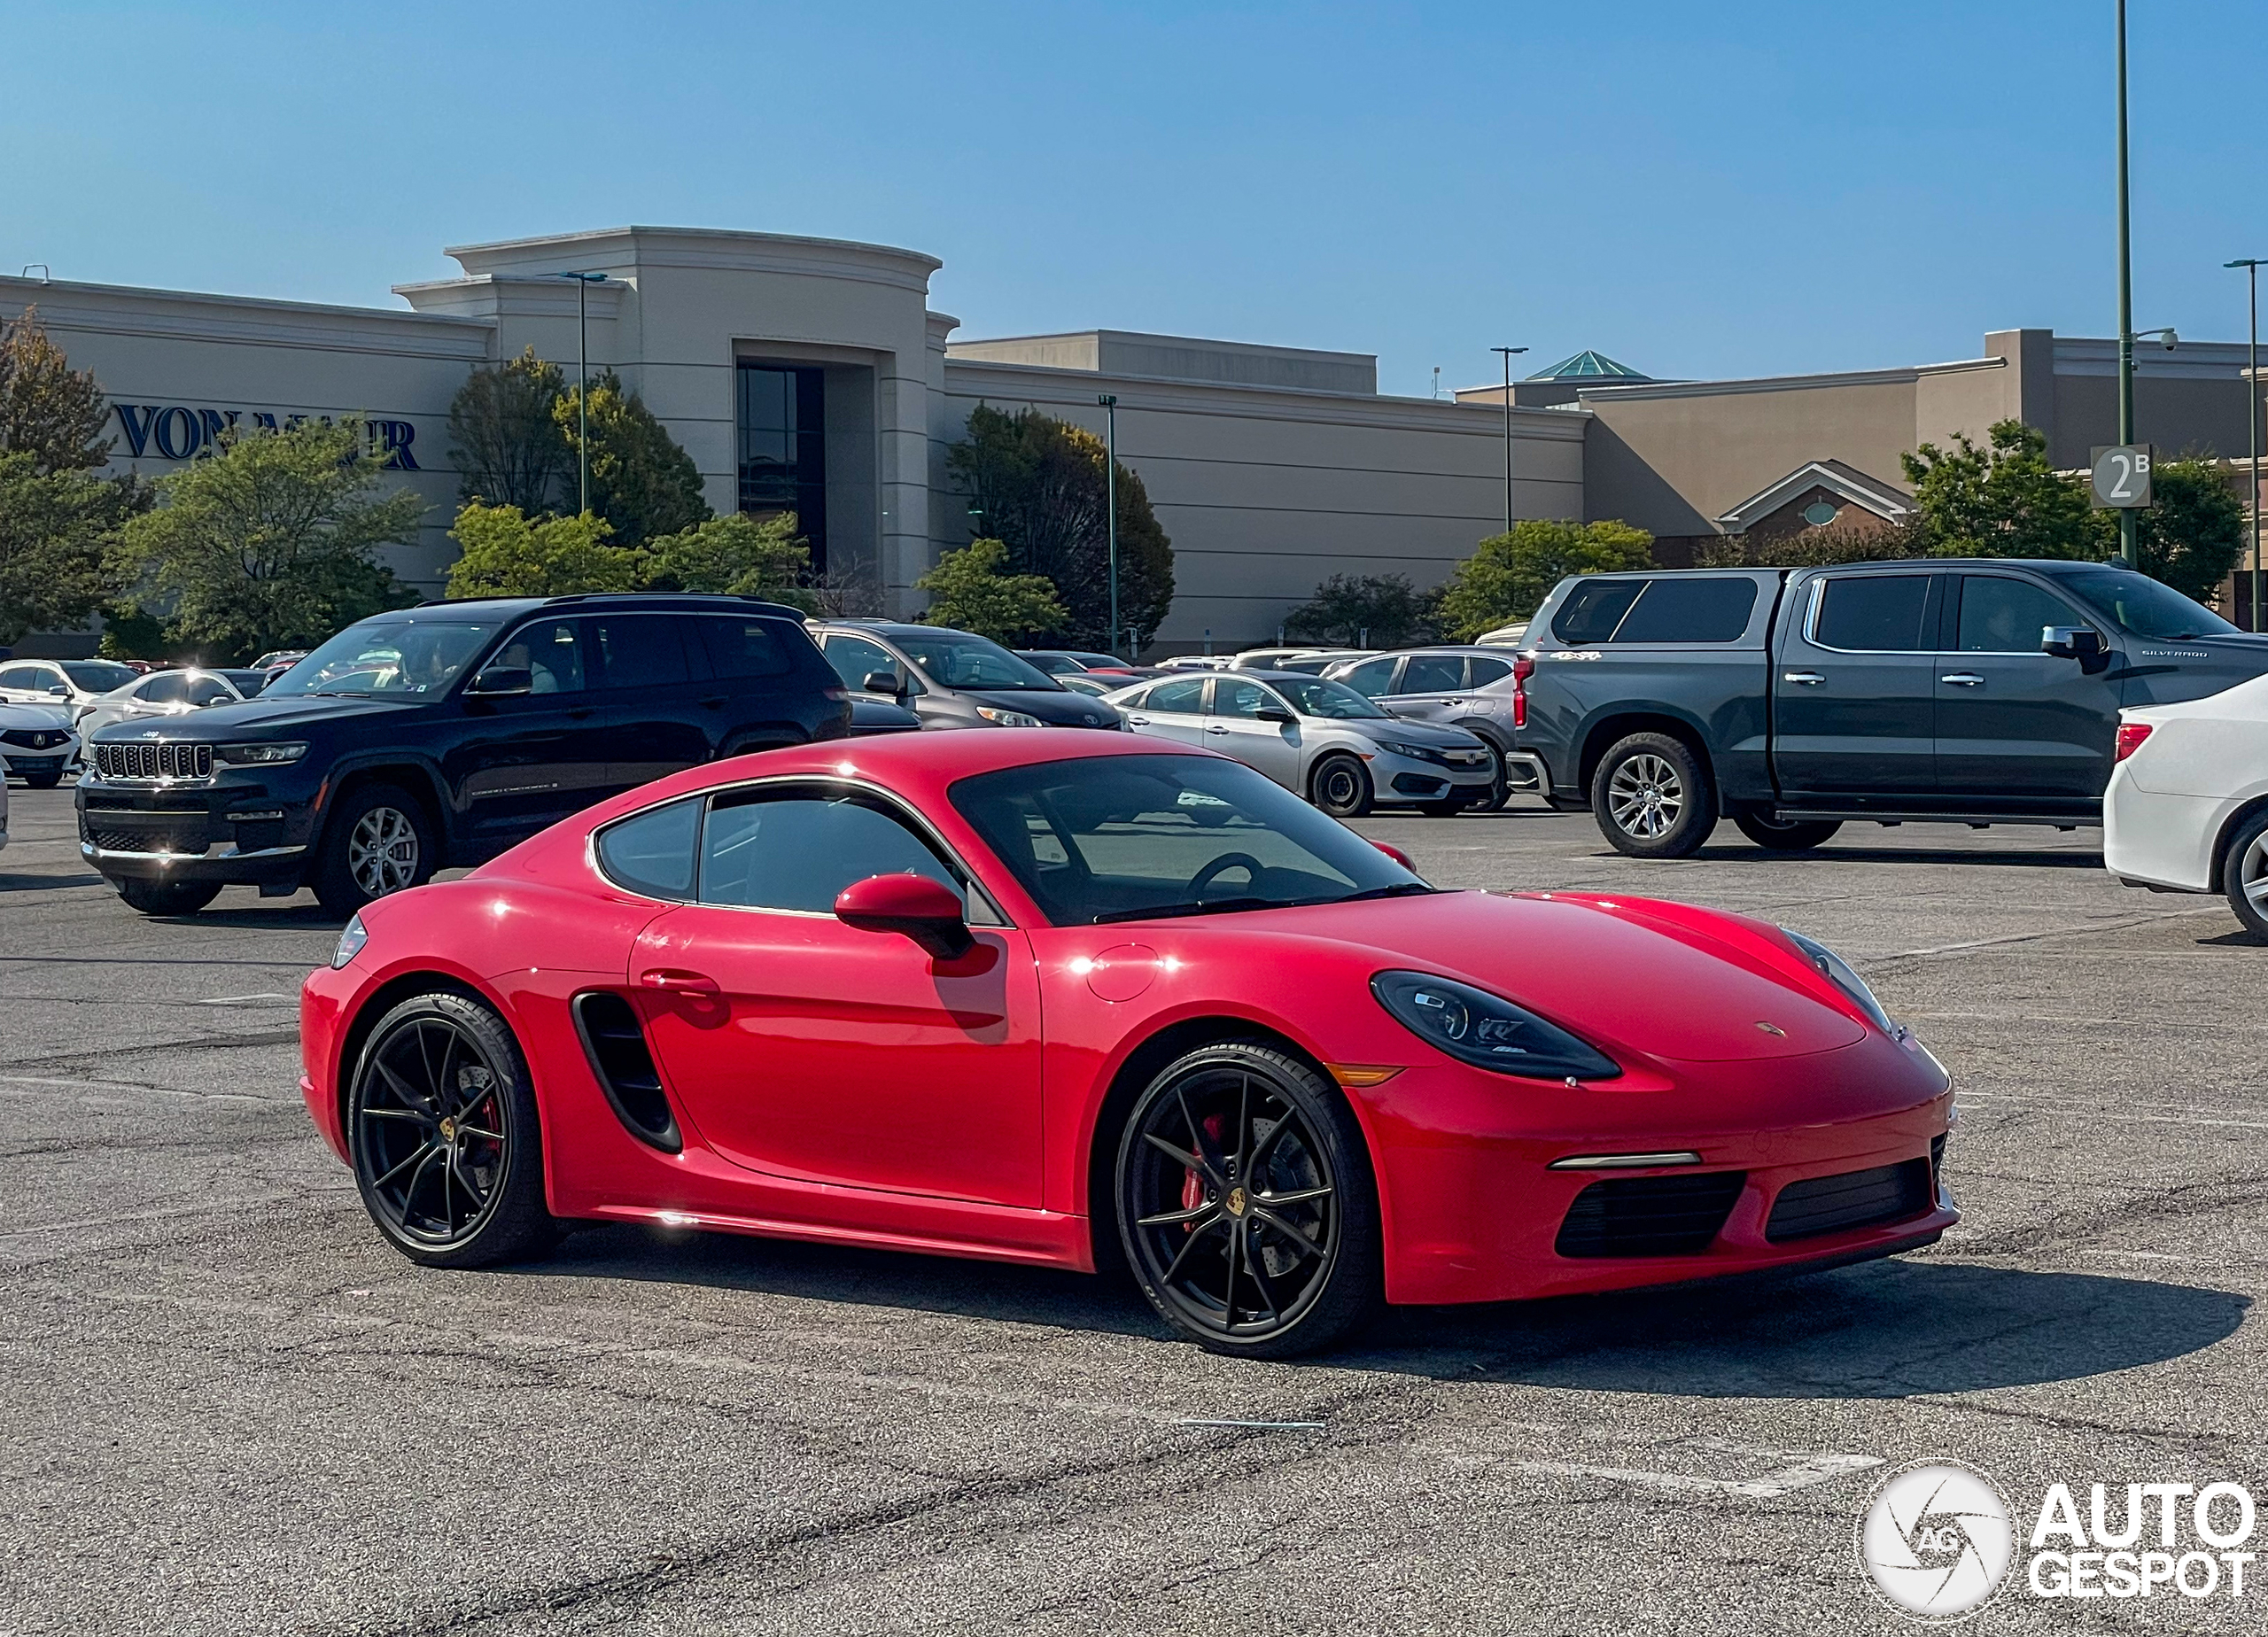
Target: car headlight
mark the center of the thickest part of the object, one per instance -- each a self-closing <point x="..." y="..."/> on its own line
<point x="351" y="937"/>
<point x="1416" y="753"/>
<point x="1008" y="719"/>
<point x="1486" y="1030"/>
<point x="260" y="755"/>
<point x="1838" y="971"/>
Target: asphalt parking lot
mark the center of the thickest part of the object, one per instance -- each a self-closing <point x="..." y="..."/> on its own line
<point x="225" y="1406"/>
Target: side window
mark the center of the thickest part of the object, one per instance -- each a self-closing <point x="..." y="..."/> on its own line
<point x="1594" y="608"/>
<point x="854" y="659"/>
<point x="745" y="648"/>
<point x="1372" y="678"/>
<point x="1487" y="670"/>
<point x="551" y="651"/>
<point x="654" y="852"/>
<point x="1690" y="610"/>
<point x="796" y="852"/>
<point x="1872" y="613"/>
<point x="19" y="676"/>
<point x="636" y="651"/>
<point x="1234" y="698"/>
<point x="1433" y="674"/>
<point x="208" y="690"/>
<point x="1185" y="696"/>
<point x="2007" y="616"/>
<point x="171" y="688"/>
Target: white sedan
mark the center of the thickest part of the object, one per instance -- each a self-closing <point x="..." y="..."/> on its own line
<point x="169" y="693"/>
<point x="2187" y="806"/>
<point x="37" y="744"/>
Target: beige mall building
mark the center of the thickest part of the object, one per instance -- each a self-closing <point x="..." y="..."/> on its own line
<point x="813" y="374"/>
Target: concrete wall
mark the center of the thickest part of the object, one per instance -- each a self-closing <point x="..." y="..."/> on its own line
<point x="1180" y="358"/>
<point x="1265" y="493"/>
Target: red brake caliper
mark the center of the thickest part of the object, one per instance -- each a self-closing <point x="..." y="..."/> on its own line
<point x="1192" y="1184"/>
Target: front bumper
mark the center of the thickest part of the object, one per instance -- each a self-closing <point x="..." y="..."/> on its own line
<point x="194" y="830"/>
<point x="1405" y="778"/>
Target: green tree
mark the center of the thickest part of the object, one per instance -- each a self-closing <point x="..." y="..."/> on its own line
<point x="641" y="482"/>
<point x="1392" y="612"/>
<point x="270" y="543"/>
<point x="2004" y="499"/>
<point x="1820" y="547"/>
<point x="2192" y="533"/>
<point x="1509" y="575"/>
<point x="970" y="590"/>
<point x="738" y="555"/>
<point x="1039" y="485"/>
<point x="508" y="553"/>
<point x="48" y="410"/>
<point x="58" y="533"/>
<point x="509" y="448"/>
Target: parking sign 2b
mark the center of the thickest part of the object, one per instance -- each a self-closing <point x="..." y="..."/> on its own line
<point x="2122" y="476"/>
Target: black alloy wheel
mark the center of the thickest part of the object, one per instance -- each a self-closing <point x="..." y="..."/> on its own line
<point x="1341" y="786"/>
<point x="1786" y="834"/>
<point x="168" y="897"/>
<point x="441" y="1124"/>
<point x="1246" y="1204"/>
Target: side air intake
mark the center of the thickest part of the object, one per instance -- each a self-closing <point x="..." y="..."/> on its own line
<point x="617" y="1048"/>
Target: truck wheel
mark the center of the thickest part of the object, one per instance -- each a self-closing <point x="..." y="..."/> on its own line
<point x="2245" y="876"/>
<point x="1652" y="798"/>
<point x="1785" y="834"/>
<point x="168" y="898"/>
<point x="1341" y="786"/>
<point x="380" y="842"/>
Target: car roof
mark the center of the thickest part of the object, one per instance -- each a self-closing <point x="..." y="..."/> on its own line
<point x="627" y="601"/>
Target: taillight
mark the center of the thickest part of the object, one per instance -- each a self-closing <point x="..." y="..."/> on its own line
<point x="1523" y="668"/>
<point x="2131" y="735"/>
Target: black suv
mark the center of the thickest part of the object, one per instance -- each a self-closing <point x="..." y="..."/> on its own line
<point x="442" y="735"/>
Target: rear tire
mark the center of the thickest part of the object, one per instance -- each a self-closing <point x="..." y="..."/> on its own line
<point x="1341" y="786"/>
<point x="2244" y="875"/>
<point x="168" y="898"/>
<point x="1786" y="834"/>
<point x="380" y="842"/>
<point x="1652" y="797"/>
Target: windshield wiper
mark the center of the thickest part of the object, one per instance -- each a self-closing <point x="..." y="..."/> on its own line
<point x="1400" y="889"/>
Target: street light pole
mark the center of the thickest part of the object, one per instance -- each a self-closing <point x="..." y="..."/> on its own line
<point x="583" y="283"/>
<point x="1507" y="352"/>
<point x="2128" y="549"/>
<point x="1109" y="402"/>
<point x="2252" y="266"/>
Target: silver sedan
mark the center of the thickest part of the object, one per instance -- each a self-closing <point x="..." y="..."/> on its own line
<point x="1320" y="739"/>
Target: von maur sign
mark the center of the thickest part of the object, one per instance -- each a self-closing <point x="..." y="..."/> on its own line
<point x="177" y="432"/>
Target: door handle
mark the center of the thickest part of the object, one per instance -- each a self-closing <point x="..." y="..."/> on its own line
<point x="677" y="981"/>
<point x="1214" y="727"/>
<point x="1964" y="678"/>
<point x="1139" y="721"/>
<point x="1809" y="679"/>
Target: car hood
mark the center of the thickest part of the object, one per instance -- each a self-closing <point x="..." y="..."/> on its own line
<point x="1056" y="707"/>
<point x="1634" y="976"/>
<point x="34" y="716"/>
<point x="1430" y="734"/>
<point x="259" y="718"/>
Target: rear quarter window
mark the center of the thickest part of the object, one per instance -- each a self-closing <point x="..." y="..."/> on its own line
<point x="1689" y="610"/>
<point x="747" y="648"/>
<point x="1594" y="608"/>
<point x="653" y="853"/>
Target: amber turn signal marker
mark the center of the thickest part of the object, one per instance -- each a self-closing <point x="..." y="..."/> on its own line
<point x="1354" y="1076"/>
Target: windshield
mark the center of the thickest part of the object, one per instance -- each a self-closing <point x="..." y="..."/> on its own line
<point x="956" y="659"/>
<point x="97" y="676"/>
<point x="395" y="657"/>
<point x="1312" y="696"/>
<point x="2143" y="606"/>
<point x="1140" y="837"/>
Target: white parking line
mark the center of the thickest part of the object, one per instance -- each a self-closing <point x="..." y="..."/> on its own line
<point x="244" y="1000"/>
<point x="1803" y="1469"/>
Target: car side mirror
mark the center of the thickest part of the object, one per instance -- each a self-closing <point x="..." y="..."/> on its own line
<point x="57" y="690"/>
<point x="1275" y="713"/>
<point x="501" y="681"/>
<point x="885" y="682"/>
<point x="2080" y="642"/>
<point x="1396" y="853"/>
<point x="912" y="905"/>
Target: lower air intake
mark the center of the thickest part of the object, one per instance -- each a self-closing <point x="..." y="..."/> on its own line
<point x="617" y="1048"/>
<point x="1888" y="1193"/>
<point x="1649" y="1215"/>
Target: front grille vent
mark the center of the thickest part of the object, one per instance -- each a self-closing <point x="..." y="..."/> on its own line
<point x="1649" y="1215"/>
<point x="190" y="843"/>
<point x="35" y="738"/>
<point x="617" y="1048"/>
<point x="1888" y="1193"/>
<point x="154" y="759"/>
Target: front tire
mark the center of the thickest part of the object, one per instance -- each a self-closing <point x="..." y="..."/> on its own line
<point x="1246" y="1204"/>
<point x="1341" y="786"/>
<point x="2244" y="876"/>
<point x="1786" y="834"/>
<point x="1652" y="797"/>
<point x="380" y="842"/>
<point x="442" y="1128"/>
<point x="168" y="898"/>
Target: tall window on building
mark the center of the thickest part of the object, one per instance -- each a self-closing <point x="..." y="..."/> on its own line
<point x="782" y="416"/>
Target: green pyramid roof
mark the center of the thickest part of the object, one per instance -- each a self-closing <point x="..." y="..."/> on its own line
<point x="1590" y="365"/>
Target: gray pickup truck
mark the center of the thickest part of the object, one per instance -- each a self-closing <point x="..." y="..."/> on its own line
<point x="1979" y="691"/>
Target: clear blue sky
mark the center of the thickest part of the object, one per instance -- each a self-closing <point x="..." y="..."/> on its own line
<point x="1738" y="189"/>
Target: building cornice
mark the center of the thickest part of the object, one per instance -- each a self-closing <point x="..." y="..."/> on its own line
<point x="1903" y="376"/>
<point x="703" y="248"/>
<point x="120" y="309"/>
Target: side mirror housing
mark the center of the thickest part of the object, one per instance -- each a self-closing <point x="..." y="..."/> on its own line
<point x="914" y="906"/>
<point x="2080" y="642"/>
<point x="58" y="690"/>
<point x="501" y="681"/>
<point x="887" y="683"/>
<point x="1275" y="713"/>
<point x="1396" y="853"/>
